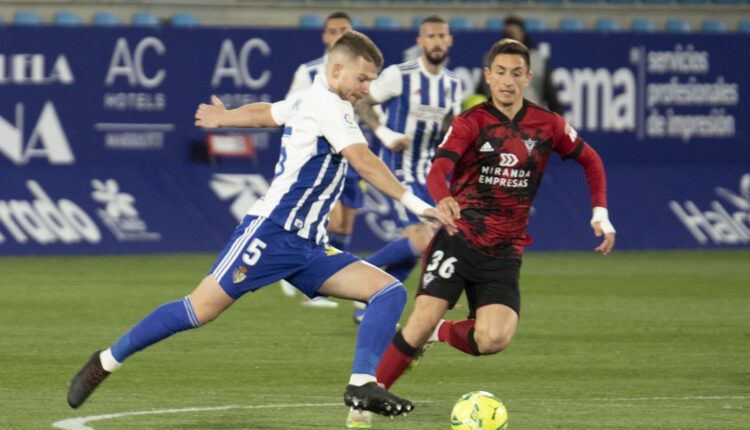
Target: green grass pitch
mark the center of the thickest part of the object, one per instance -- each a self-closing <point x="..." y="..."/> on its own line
<point x="649" y="340"/>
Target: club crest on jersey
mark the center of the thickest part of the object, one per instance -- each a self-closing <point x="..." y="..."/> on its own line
<point x="530" y="144"/>
<point x="486" y="147"/>
<point x="239" y="274"/>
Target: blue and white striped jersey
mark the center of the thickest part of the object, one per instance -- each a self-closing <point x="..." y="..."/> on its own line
<point x="416" y="102"/>
<point x="310" y="172"/>
<point x="305" y="74"/>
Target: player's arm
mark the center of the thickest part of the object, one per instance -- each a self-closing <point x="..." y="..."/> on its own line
<point x="593" y="169"/>
<point x="459" y="136"/>
<point x="374" y="171"/>
<point x="215" y="115"/>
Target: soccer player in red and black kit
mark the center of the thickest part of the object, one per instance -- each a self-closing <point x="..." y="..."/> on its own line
<point x="495" y="155"/>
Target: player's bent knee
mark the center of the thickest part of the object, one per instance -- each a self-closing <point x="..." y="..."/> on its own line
<point x="493" y="345"/>
<point x="394" y="291"/>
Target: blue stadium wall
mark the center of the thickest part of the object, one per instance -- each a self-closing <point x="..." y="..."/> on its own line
<point x="99" y="154"/>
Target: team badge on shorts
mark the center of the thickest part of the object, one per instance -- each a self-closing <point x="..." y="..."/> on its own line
<point x="427" y="278"/>
<point x="239" y="274"/>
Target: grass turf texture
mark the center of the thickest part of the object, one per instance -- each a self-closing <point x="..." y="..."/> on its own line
<point x="656" y="340"/>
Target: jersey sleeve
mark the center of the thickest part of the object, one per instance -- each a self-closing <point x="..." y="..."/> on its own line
<point x="387" y="85"/>
<point x="300" y="81"/>
<point x="458" y="99"/>
<point x="281" y="111"/>
<point x="566" y="140"/>
<point x="339" y="126"/>
<point x="460" y="136"/>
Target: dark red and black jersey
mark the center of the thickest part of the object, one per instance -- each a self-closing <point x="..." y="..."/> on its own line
<point x="499" y="164"/>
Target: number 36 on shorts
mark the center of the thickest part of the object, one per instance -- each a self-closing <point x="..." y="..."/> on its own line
<point x="444" y="266"/>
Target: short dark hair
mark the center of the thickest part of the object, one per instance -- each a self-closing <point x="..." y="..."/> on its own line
<point x="515" y="20"/>
<point x="358" y="45"/>
<point x="433" y="19"/>
<point x="339" y="15"/>
<point x="509" y="47"/>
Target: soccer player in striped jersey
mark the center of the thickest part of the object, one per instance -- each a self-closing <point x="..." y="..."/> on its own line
<point x="418" y="98"/>
<point x="283" y="234"/>
<point x="344" y="211"/>
<point x="485" y="175"/>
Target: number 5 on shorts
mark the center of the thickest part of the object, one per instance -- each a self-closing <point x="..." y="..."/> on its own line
<point x="253" y="252"/>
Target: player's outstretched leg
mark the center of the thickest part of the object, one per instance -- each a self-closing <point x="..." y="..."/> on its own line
<point x="372" y="397"/>
<point x="86" y="380"/>
<point x="164" y="321"/>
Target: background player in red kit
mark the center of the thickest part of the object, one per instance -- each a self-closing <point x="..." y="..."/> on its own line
<point x="497" y="153"/>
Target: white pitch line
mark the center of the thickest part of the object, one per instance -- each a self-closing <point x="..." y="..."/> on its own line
<point x="80" y="422"/>
<point x="649" y="399"/>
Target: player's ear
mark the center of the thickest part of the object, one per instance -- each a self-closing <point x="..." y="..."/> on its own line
<point x="336" y="69"/>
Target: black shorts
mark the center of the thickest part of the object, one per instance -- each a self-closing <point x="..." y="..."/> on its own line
<point x="451" y="266"/>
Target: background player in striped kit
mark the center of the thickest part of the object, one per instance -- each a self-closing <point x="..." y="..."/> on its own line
<point x="418" y="97"/>
<point x="495" y="155"/>
<point x="345" y="210"/>
<point x="283" y="234"/>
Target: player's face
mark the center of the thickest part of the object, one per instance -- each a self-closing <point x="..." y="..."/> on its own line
<point x="508" y="76"/>
<point x="333" y="29"/>
<point x="351" y="79"/>
<point x="435" y="40"/>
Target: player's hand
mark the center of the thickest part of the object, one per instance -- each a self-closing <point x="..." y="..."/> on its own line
<point x="450" y="207"/>
<point x="437" y="216"/>
<point x="607" y="244"/>
<point x="603" y="227"/>
<point x="209" y="116"/>
<point x="391" y="139"/>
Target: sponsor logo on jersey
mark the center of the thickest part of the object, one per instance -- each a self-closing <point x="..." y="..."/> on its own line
<point x="331" y="251"/>
<point x="508" y="159"/>
<point x="486" y="147"/>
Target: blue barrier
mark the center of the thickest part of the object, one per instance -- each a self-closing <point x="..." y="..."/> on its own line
<point x="99" y="154"/>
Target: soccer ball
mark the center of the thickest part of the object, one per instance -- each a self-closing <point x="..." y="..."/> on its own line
<point x="479" y="410"/>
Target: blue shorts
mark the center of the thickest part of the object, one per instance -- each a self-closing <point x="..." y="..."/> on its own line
<point x="352" y="196"/>
<point x="261" y="252"/>
<point x="401" y="216"/>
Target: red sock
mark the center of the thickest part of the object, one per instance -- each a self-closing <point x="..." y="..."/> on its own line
<point x="395" y="361"/>
<point x="460" y="335"/>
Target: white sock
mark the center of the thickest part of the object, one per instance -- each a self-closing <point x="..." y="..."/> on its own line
<point x="434" y="335"/>
<point x="359" y="379"/>
<point x="108" y="361"/>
